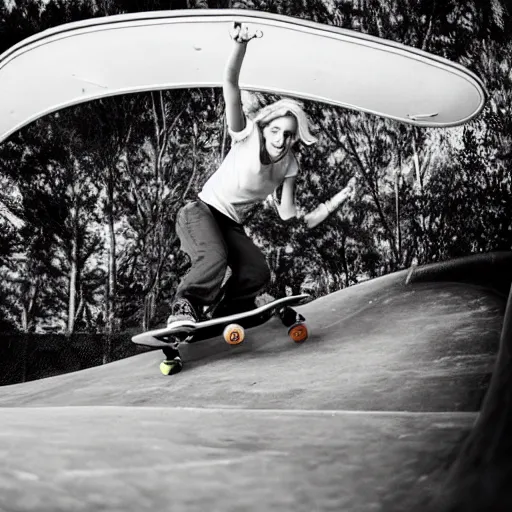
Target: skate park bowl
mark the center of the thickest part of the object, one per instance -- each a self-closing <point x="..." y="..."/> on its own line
<point x="393" y="403"/>
<point x="399" y="401"/>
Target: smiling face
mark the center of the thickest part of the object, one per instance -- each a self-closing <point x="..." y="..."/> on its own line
<point x="278" y="136"/>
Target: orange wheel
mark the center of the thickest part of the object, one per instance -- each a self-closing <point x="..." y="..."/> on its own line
<point x="298" y="332"/>
<point x="234" y="334"/>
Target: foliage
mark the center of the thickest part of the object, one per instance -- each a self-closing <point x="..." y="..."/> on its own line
<point x="98" y="186"/>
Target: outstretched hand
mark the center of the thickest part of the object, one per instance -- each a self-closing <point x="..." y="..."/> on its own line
<point x="242" y="34"/>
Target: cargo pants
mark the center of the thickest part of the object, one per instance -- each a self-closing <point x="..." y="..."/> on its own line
<point x="214" y="242"/>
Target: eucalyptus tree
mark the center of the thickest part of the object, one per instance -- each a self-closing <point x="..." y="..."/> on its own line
<point x="58" y="197"/>
<point x="447" y="29"/>
<point x="495" y="64"/>
<point x="10" y="246"/>
<point x="20" y="19"/>
<point x="315" y="10"/>
<point x="179" y="147"/>
<point x="20" y="272"/>
<point x="72" y="180"/>
<point x="108" y="127"/>
<point x="110" y="7"/>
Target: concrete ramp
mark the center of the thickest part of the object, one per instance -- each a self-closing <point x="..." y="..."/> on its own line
<point x="368" y="414"/>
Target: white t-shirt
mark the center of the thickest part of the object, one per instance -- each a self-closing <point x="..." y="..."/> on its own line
<point x="242" y="180"/>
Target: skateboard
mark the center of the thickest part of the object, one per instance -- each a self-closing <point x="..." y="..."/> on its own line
<point x="231" y="327"/>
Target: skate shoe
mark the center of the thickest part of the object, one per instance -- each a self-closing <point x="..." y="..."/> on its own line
<point x="171" y="366"/>
<point x="172" y="363"/>
<point x="182" y="310"/>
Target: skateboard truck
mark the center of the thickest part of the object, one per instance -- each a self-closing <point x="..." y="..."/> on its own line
<point x="297" y="329"/>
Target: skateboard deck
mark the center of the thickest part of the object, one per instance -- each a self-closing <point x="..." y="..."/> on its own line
<point x="128" y="53"/>
<point x="185" y="331"/>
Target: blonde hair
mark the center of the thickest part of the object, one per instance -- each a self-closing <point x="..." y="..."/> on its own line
<point x="283" y="108"/>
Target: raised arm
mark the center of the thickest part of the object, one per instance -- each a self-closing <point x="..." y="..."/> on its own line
<point x="234" y="114"/>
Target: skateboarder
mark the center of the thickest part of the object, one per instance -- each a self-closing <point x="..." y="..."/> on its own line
<point x="211" y="228"/>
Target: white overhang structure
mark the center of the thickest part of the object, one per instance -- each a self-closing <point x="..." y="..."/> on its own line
<point x="101" y="57"/>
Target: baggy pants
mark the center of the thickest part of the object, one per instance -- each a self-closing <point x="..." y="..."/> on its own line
<point x="213" y="242"/>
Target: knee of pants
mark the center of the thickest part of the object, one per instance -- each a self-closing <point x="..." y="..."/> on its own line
<point x="254" y="278"/>
<point x="264" y="276"/>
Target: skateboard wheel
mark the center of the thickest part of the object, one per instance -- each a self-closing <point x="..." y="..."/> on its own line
<point x="234" y="334"/>
<point x="298" y="332"/>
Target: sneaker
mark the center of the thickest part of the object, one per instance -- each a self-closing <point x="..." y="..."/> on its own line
<point x="181" y="309"/>
<point x="171" y="366"/>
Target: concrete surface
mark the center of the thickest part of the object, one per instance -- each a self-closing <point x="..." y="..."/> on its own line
<point x="369" y="414"/>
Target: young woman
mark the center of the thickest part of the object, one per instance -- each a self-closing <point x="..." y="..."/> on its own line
<point x="211" y="229"/>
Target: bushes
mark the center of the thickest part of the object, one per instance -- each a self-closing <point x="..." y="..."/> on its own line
<point x="25" y="357"/>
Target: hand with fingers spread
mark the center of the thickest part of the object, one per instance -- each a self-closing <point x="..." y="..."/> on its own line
<point x="242" y="34"/>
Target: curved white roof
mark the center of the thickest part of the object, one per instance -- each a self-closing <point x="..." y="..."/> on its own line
<point x="100" y="57"/>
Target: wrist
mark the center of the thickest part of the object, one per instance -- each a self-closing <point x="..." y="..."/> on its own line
<point x="239" y="48"/>
<point x="329" y="206"/>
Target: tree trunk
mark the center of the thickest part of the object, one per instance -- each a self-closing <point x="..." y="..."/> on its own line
<point x="73" y="276"/>
<point x="149" y="306"/>
<point x="419" y="191"/>
<point x="371" y="188"/>
<point x="13" y="219"/>
<point x="28" y="304"/>
<point x="24" y="356"/>
<point x="111" y="288"/>
<point x="397" y="211"/>
<point x="110" y="306"/>
<point x="344" y="263"/>
<point x="24" y="318"/>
